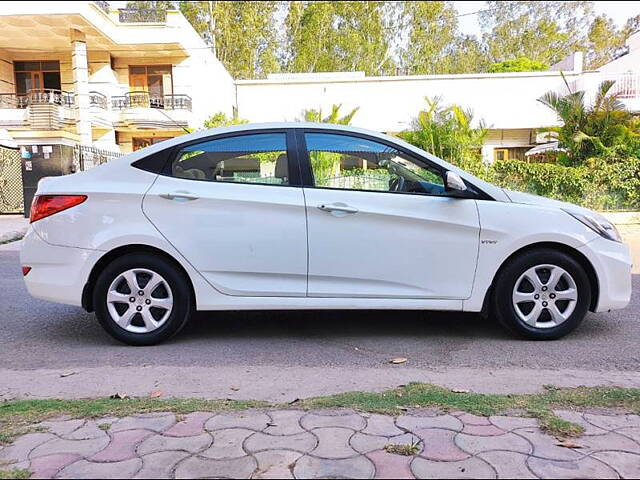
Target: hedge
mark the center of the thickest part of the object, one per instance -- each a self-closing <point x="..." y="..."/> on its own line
<point x="598" y="184"/>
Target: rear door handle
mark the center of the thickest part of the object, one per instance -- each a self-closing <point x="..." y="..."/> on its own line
<point x="337" y="207"/>
<point x="179" y="196"/>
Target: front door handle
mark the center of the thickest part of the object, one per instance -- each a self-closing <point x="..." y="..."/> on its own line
<point x="337" y="207"/>
<point x="179" y="196"/>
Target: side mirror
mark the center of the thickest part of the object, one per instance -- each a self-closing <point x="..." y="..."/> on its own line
<point x="454" y="182"/>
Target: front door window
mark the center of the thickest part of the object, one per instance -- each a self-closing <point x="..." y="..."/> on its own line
<point x="37" y="75"/>
<point x="149" y="84"/>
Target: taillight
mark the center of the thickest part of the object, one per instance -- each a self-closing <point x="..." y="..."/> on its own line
<point x="47" y="205"/>
<point x="25" y="270"/>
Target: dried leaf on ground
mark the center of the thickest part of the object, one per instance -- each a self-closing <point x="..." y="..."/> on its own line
<point x="67" y="374"/>
<point x="119" y="396"/>
<point x="398" y="360"/>
<point x="568" y="444"/>
<point x="156" y="394"/>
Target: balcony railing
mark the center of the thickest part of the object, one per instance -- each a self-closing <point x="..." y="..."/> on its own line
<point x="147" y="100"/>
<point x="104" y="6"/>
<point x="627" y="85"/>
<point x="97" y="99"/>
<point x="37" y="97"/>
<point x="142" y="15"/>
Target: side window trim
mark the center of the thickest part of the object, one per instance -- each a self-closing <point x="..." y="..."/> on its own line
<point x="293" y="164"/>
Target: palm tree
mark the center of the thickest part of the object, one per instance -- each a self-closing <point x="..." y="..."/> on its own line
<point x="603" y="128"/>
<point x="334" y="117"/>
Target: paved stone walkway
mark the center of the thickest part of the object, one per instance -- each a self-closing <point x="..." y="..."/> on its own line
<point x="324" y="444"/>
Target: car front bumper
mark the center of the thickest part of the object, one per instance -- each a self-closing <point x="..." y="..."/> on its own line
<point x="612" y="263"/>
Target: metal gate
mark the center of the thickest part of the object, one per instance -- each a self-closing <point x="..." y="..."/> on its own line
<point x="11" y="199"/>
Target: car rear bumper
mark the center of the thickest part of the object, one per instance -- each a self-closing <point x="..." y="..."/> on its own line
<point x="612" y="263"/>
<point x="58" y="274"/>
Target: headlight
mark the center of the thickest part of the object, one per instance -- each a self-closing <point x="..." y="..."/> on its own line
<point x="598" y="224"/>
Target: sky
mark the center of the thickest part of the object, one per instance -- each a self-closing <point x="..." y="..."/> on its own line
<point x="618" y="11"/>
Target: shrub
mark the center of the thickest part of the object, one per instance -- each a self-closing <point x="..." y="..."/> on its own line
<point x="520" y="64"/>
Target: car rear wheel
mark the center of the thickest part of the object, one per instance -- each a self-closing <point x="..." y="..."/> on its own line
<point x="142" y="299"/>
<point x="542" y="295"/>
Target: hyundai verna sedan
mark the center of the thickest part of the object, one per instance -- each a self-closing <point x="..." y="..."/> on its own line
<point x="311" y="216"/>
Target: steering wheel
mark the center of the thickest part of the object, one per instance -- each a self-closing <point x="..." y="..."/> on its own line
<point x="397" y="184"/>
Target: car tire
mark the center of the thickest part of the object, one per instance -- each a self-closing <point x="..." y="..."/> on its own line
<point x="159" y="308"/>
<point x="542" y="294"/>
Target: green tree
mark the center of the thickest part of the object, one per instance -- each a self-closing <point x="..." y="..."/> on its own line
<point x="337" y="36"/>
<point x="546" y="31"/>
<point x="242" y="33"/>
<point x="316" y="116"/>
<point x="604" y="128"/>
<point x="434" y="44"/>
<point x="220" y="119"/>
<point x="606" y="41"/>
<point x="520" y="64"/>
<point x="450" y="133"/>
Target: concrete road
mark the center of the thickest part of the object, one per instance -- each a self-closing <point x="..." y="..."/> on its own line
<point x="275" y="355"/>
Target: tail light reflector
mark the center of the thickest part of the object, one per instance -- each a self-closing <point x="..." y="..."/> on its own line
<point x="46" y="205"/>
<point x="25" y="270"/>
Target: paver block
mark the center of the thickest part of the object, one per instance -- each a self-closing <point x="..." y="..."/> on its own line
<point x="228" y="443"/>
<point x="198" y="467"/>
<point x="470" y="419"/>
<point x="88" y="431"/>
<point x="276" y="464"/>
<point x="122" y="446"/>
<point x="578" y="419"/>
<point x="609" y="422"/>
<point x="585" y="467"/>
<point x="191" y="426"/>
<point x="86" y="469"/>
<point x="255" y="421"/>
<point x="512" y="423"/>
<point x="382" y="425"/>
<point x="20" y="449"/>
<point x="333" y="443"/>
<point x="482" y="430"/>
<point x="50" y="465"/>
<point x="61" y="427"/>
<point x="84" y="448"/>
<point x="626" y="464"/>
<point x="160" y="464"/>
<point x="631" y="432"/>
<point x="158" y="443"/>
<point x="439" y="445"/>
<point x="352" y="421"/>
<point x="301" y="442"/>
<point x="363" y="443"/>
<point x="356" y="467"/>
<point x="508" y="464"/>
<point x="545" y="446"/>
<point x="509" y="441"/>
<point x="155" y="423"/>
<point x="608" y="441"/>
<point x="468" y="468"/>
<point x="391" y="466"/>
<point x="285" y="422"/>
<point x="413" y="423"/>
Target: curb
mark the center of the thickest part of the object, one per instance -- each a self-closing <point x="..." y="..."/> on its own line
<point x="12" y="235"/>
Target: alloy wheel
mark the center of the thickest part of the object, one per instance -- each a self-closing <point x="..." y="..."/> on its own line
<point x="545" y="296"/>
<point x="139" y="300"/>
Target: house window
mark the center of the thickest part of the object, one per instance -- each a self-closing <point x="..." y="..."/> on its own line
<point x="500" y="154"/>
<point x="150" y="83"/>
<point x="142" y="142"/>
<point x="37" y="75"/>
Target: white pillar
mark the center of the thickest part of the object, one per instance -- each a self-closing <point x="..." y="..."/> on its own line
<point x="80" y="68"/>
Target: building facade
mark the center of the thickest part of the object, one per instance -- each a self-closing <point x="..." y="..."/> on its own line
<point x="81" y="81"/>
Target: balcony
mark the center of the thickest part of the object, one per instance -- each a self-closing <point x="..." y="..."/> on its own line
<point x="627" y="89"/>
<point x="37" y="97"/>
<point x="97" y="99"/>
<point x="142" y="15"/>
<point x="147" y="100"/>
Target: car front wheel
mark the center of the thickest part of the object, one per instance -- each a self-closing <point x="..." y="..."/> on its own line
<point x="542" y="294"/>
<point x="141" y="299"/>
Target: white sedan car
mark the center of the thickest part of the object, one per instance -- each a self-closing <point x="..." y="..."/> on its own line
<point x="311" y="216"/>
